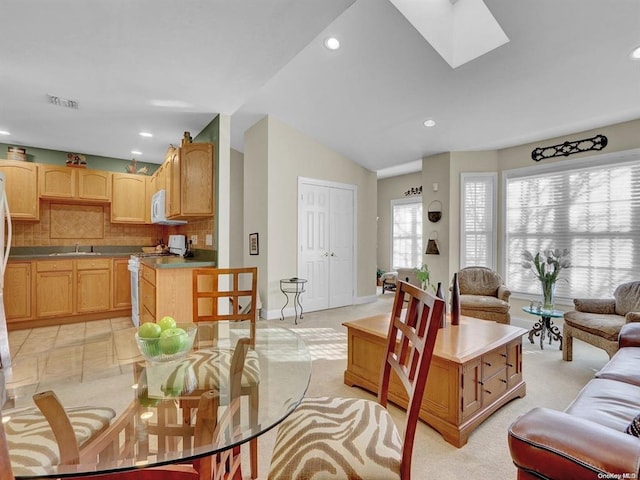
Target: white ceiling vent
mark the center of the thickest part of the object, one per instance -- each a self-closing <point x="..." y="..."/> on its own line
<point x="62" y="102"/>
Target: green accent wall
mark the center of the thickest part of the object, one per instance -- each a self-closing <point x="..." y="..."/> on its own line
<point x="95" y="162"/>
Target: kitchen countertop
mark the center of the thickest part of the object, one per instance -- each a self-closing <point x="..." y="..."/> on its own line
<point x="177" y="262"/>
<point x="202" y="258"/>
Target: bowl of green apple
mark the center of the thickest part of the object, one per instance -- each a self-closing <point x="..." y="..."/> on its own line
<point x="165" y="340"/>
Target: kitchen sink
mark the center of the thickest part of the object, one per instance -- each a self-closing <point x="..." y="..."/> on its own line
<point x="73" y="254"/>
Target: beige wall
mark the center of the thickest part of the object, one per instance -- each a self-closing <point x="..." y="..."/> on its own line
<point x="275" y="156"/>
<point x="236" y="224"/>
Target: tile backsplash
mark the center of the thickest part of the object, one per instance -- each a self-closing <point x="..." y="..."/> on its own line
<point x="66" y="224"/>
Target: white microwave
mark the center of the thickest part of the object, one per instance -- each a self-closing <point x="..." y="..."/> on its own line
<point x="158" y="213"/>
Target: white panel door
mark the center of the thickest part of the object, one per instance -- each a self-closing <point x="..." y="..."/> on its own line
<point x="325" y="235"/>
<point x="313" y="236"/>
<point x="340" y="247"/>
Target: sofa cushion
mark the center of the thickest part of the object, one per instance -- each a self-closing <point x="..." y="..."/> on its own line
<point x="606" y="326"/>
<point x="627" y="298"/>
<point x="487" y="304"/>
<point x="623" y="366"/>
<point x="607" y="402"/>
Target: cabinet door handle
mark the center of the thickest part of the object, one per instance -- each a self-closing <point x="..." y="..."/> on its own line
<point x="488" y="364"/>
<point x="503" y="355"/>
<point x="503" y="380"/>
<point x="509" y="364"/>
<point x="488" y="392"/>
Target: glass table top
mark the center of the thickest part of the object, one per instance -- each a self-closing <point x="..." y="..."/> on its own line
<point x="278" y="367"/>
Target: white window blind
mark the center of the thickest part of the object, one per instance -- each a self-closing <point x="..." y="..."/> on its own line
<point x="591" y="209"/>
<point x="478" y="229"/>
<point x="406" y="232"/>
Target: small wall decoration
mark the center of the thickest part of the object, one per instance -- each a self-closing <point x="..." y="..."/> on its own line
<point x="132" y="168"/>
<point x="413" y="191"/>
<point x="568" y="148"/>
<point x="434" y="212"/>
<point x="17" y="153"/>
<point x="432" y="244"/>
<point x="253" y="244"/>
<point x="76" y="160"/>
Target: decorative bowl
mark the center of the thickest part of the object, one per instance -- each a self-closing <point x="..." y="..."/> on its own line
<point x="163" y="350"/>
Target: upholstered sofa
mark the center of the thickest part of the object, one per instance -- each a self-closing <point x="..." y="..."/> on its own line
<point x="587" y="440"/>
<point x="598" y="321"/>
<point x="483" y="294"/>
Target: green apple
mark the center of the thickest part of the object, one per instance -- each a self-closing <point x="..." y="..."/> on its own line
<point x="172" y="340"/>
<point x="167" y="322"/>
<point x="149" y="330"/>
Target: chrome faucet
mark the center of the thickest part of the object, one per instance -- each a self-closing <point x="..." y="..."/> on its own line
<point x="77" y="247"/>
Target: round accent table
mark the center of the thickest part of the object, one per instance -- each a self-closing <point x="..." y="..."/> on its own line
<point x="545" y="326"/>
<point x="295" y="286"/>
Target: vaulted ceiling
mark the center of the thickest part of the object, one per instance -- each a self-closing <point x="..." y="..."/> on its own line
<point x="168" y="66"/>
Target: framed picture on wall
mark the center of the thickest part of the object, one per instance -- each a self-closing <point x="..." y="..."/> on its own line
<point x="253" y="244"/>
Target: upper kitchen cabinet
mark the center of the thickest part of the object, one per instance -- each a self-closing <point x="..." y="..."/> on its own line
<point x="22" y="189"/>
<point x="189" y="180"/>
<point x="129" y="198"/>
<point x="68" y="183"/>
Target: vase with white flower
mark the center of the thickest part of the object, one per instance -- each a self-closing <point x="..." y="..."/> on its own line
<point x="546" y="266"/>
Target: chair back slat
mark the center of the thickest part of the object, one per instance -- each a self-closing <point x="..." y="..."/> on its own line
<point x="410" y="342"/>
<point x="224" y="294"/>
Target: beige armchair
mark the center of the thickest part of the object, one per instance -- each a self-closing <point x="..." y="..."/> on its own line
<point x="483" y="295"/>
<point x="390" y="279"/>
<point x="598" y="321"/>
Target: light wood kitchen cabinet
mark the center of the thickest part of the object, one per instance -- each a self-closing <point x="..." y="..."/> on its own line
<point x="17" y="291"/>
<point x="68" y="183"/>
<point x="189" y="180"/>
<point x="94" y="185"/>
<point x="22" y="189"/>
<point x="54" y="288"/>
<point x="129" y="202"/>
<point x="121" y="284"/>
<point x="158" y="180"/>
<point x="166" y="291"/>
<point x="93" y="289"/>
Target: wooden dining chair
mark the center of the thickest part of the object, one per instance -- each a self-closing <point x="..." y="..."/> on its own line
<point x="349" y="438"/>
<point x="229" y="294"/>
<point x="127" y="437"/>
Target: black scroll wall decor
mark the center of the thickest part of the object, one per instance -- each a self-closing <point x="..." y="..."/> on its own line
<point x="569" y="148"/>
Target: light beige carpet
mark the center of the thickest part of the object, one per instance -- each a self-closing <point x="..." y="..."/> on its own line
<point x="551" y="382"/>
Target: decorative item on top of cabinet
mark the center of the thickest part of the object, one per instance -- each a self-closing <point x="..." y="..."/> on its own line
<point x="76" y="160"/>
<point x="22" y="189"/>
<point x="133" y="168"/>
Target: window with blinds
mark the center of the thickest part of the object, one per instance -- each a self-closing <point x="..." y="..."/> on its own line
<point x="591" y="208"/>
<point x="478" y="220"/>
<point x="406" y="232"/>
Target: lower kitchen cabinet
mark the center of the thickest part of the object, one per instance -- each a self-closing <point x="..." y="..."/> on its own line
<point x="93" y="285"/>
<point x="56" y="291"/>
<point x="166" y="291"/>
<point x="54" y="288"/>
<point x="121" y="284"/>
<point x="17" y="291"/>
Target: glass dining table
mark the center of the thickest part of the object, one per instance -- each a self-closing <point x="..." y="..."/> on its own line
<point x="123" y="382"/>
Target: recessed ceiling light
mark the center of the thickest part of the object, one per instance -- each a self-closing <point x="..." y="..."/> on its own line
<point x="136" y="152"/>
<point x="170" y="103"/>
<point x="4" y="132"/>
<point x="636" y="53"/>
<point x="146" y="134"/>
<point x="332" y="43"/>
<point x="429" y="123"/>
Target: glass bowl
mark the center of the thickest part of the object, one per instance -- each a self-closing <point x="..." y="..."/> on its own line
<point x="166" y="350"/>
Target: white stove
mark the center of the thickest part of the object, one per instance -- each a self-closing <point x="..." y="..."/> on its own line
<point x="177" y="247"/>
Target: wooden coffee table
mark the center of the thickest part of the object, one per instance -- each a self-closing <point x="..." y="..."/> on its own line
<point x="476" y="368"/>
